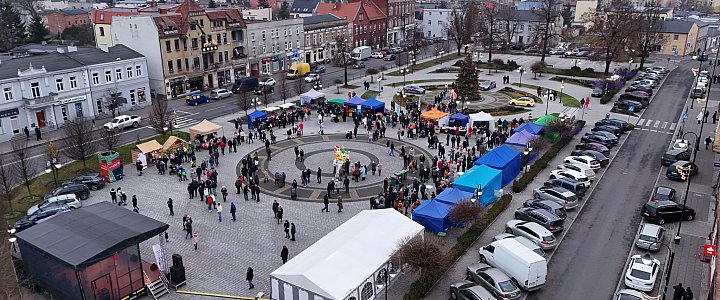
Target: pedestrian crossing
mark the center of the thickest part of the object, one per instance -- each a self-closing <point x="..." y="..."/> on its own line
<point x="183" y="119"/>
<point x="656" y="126"/>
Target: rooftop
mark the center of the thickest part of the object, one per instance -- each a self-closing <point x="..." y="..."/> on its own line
<point x="320" y="19"/>
<point x="304" y="6"/>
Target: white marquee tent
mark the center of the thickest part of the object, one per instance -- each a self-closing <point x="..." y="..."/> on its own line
<point x="309" y="96"/>
<point x="347" y="261"/>
<point x="483" y="117"/>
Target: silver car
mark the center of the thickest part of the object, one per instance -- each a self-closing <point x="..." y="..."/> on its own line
<point x="560" y="195"/>
<point x="522" y="240"/>
<point x="650" y="236"/>
<point x="70" y="200"/>
<point x="468" y="290"/>
<point x="493" y="280"/>
<point x="532" y="231"/>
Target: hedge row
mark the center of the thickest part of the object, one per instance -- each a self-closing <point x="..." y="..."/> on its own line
<point x="609" y="96"/>
<point x="540" y="164"/>
<point x="424" y="284"/>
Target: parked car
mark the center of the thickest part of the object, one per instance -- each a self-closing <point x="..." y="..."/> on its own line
<point x="659" y="212"/>
<point x="594" y="147"/>
<point x="595" y="138"/>
<point x="218" y="94"/>
<point x="560" y="195"/>
<point x="319" y="69"/>
<point x="541" y="216"/>
<point x="359" y="64"/>
<point x="522" y="101"/>
<point x="601" y="158"/>
<point x="625" y="104"/>
<point x="549" y="205"/>
<point x="413" y="89"/>
<point x="376" y="55"/>
<point x="121" y="122"/>
<point x="672" y="170"/>
<point x="577" y="168"/>
<point x="557" y="50"/>
<point x="268" y="81"/>
<point x="312" y="77"/>
<point x="70" y="200"/>
<point x="390" y="57"/>
<point x="532" y="49"/>
<point x="80" y="190"/>
<point x="570" y="174"/>
<point x="493" y="280"/>
<point x="39" y="216"/>
<point x="641" y="274"/>
<point x="608" y="128"/>
<point x="642" y="99"/>
<point x="681" y="144"/>
<point x="532" y="231"/>
<point x="468" y="290"/>
<point x="673" y="155"/>
<point x="649" y="237"/>
<point x="522" y="240"/>
<point x="94" y="181"/>
<point x="487" y="85"/>
<point x="196" y="98"/>
<point x="628" y="294"/>
<point x="646" y="90"/>
<point x="606" y="134"/>
<point x="264" y="89"/>
<point x="597" y="92"/>
<point x="662" y="193"/>
<point x="577" y="187"/>
<point x="527" y="269"/>
<point x="583" y="160"/>
<point x="625" y="126"/>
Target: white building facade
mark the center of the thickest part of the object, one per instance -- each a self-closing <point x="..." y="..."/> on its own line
<point x="273" y="46"/>
<point x="435" y="22"/>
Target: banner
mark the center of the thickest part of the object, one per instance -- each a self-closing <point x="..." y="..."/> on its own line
<point x="159" y="257"/>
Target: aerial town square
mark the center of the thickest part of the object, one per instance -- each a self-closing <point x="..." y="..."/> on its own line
<point x="359" y="149"/>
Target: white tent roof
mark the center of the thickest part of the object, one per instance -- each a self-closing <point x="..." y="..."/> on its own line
<point x="483" y="117"/>
<point x="270" y="108"/>
<point x="286" y="105"/>
<point x="312" y="94"/>
<point x="340" y="262"/>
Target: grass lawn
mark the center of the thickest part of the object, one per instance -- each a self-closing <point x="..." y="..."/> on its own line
<point x="44" y="183"/>
<point x="579" y="82"/>
<point x="402" y="83"/>
<point x="427" y="64"/>
<point x="370" y="94"/>
<point x="567" y="100"/>
<point x="404" y="101"/>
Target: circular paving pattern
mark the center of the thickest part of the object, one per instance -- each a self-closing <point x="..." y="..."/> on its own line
<point x="490" y="100"/>
<point x="319" y="153"/>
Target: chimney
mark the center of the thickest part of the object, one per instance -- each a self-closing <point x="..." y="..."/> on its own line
<point x="163" y="11"/>
<point x="71" y="49"/>
<point x="60" y="50"/>
<point x="104" y="48"/>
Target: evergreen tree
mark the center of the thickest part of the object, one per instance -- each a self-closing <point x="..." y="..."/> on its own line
<point x="212" y="4"/>
<point x="12" y="29"/>
<point x="285" y="10"/>
<point x="467" y="82"/>
<point x="37" y="31"/>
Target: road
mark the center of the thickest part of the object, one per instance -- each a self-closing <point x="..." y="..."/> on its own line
<point x="591" y="257"/>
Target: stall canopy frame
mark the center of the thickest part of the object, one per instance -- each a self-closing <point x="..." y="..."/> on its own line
<point x="205" y="127"/>
<point x="505" y="159"/>
<point x="433" y="215"/>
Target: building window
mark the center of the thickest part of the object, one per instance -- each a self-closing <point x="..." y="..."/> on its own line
<point x="99" y="103"/>
<point x="102" y="31"/>
<point x="73" y="82"/>
<point x="196" y="63"/>
<point x="8" y="93"/>
<point x="108" y="76"/>
<point x="35" y="88"/>
<point x="263" y="35"/>
<point x="170" y="66"/>
<point x="224" y="40"/>
<point x="15" y="124"/>
<point x="167" y="47"/>
<point x="676" y="37"/>
<point x="95" y="78"/>
<point x="252" y="37"/>
<point x="141" y="94"/>
<point x="177" y="45"/>
<point x="132" y="97"/>
<point x="138" y="71"/>
<point x="361" y="17"/>
<point x="64" y="112"/>
<point x="178" y="62"/>
<point x="59" y="85"/>
<point x="128" y="71"/>
<point x="194" y="43"/>
<point x="118" y="74"/>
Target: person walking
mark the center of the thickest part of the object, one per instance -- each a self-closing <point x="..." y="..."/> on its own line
<point x="679" y="291"/>
<point x="292" y="231"/>
<point x="379" y="168"/>
<point x="346" y="183"/>
<point x="195" y="239"/>
<point x="170" y="206"/>
<point x="699" y="117"/>
<point x="139" y="167"/>
<point x="284" y="254"/>
<point x="209" y="201"/>
<point x="233" y="209"/>
<point x="708" y="141"/>
<point x="280" y="214"/>
<point x="224" y="193"/>
<point x="27" y="133"/>
<point x="113" y="196"/>
<point x="249" y="277"/>
<point x="188" y="227"/>
<point x="38" y="134"/>
<point x="714" y="117"/>
<point x="688" y="294"/>
<point x="319" y="175"/>
<point x="275" y="206"/>
<point x="134" y="202"/>
<point x="219" y="212"/>
<point x="286" y="228"/>
<point x="326" y="202"/>
<point x="339" y="203"/>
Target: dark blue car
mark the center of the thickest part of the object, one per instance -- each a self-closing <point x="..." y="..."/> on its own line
<point x="196" y="98"/>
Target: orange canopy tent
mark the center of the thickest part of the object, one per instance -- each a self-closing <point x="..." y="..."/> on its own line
<point x="433" y="115"/>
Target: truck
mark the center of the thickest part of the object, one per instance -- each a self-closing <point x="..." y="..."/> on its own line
<point x="525" y="267"/>
<point x="298" y="70"/>
<point x="245" y="84"/>
<point x="122" y="122"/>
<point x="361" y="53"/>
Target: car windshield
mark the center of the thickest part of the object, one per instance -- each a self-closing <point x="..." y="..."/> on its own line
<point x="548" y="238"/>
<point x="507" y="286"/>
<point x="639" y="274"/>
<point x="647" y="238"/>
<point x="628" y="297"/>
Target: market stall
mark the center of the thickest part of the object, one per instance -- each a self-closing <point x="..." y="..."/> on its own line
<point x="205" y="127"/>
<point x="433" y="115"/>
<point x="337" y="101"/>
<point x="483" y="120"/>
<point x="270" y="109"/>
<point x="545" y="121"/>
<point x="350" y="261"/>
<point x="254" y="118"/>
<point x="520" y="138"/>
<point x="354" y="105"/>
<point x="459" y="120"/>
<point x="452" y="196"/>
<point x="489" y="180"/>
<point x="287" y="105"/>
<point x="310" y="96"/>
<point x="146" y="150"/>
<point x="530" y="127"/>
<point x="373" y="105"/>
<point x="173" y="143"/>
<point x="504" y="159"/>
<point x="433" y="215"/>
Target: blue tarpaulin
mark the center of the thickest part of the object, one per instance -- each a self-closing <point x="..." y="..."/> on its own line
<point x="433" y="215"/>
<point x="255" y="117"/>
<point x="480" y="176"/>
<point x="452" y="196"/>
<point x="531" y="128"/>
<point x="373" y="104"/>
<point x="505" y="159"/>
<point x="354" y="102"/>
<point x="458" y="117"/>
<point x="520" y="138"/>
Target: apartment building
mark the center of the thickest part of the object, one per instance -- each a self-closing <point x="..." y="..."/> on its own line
<point x="274" y="46"/>
<point x="320" y="34"/>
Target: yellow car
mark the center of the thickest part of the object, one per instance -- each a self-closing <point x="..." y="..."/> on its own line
<point x="523" y="101"/>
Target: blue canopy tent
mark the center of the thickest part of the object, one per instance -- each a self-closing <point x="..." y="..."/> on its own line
<point x="452" y="196"/>
<point x="433" y="215"/>
<point x="530" y="127"/>
<point x="255" y="117"/>
<point x="520" y="138"/>
<point x="354" y="102"/>
<point x="458" y="117"/>
<point x="374" y="105"/>
<point x="487" y="178"/>
<point x="505" y="159"/>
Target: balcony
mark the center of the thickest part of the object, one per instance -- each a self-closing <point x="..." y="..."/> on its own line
<point x="238" y="43"/>
<point x="40" y="101"/>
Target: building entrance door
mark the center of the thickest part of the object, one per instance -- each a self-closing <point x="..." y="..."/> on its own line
<point x="210" y="81"/>
<point x="40" y="116"/>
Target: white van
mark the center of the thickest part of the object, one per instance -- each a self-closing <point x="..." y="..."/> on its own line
<point x="525" y="267"/>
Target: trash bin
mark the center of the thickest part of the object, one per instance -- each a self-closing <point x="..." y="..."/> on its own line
<point x="398" y="177"/>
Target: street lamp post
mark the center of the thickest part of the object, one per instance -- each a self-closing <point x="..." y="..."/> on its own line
<point x="669" y="265"/>
<point x="521" y="70"/>
<point x="442" y="52"/>
<point x="51" y="166"/>
<point x="630" y="65"/>
<point x="685" y="173"/>
<point x="477" y="195"/>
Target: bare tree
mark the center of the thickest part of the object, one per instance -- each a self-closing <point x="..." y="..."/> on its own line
<point x="650" y="28"/>
<point x="465" y="213"/>
<point x="538" y="67"/>
<point x="109" y="139"/>
<point x="283" y="85"/>
<point x="342" y="56"/>
<point x="538" y="143"/>
<point x="508" y="17"/>
<point x="549" y="13"/>
<point x="563" y="127"/>
<point x="463" y="21"/>
<point x="421" y="254"/>
<point x="337" y="83"/>
<point x="371" y="72"/>
<point x="9" y="285"/>
<point x="299" y="85"/>
<point x="489" y="33"/>
<point x="79" y="140"/>
<point x="243" y="99"/>
<point x="23" y="163"/>
<point x="613" y="29"/>
<point x="113" y="100"/>
<point x="7" y="181"/>
<point x="160" y="115"/>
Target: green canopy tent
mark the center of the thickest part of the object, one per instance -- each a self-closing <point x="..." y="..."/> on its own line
<point x="337" y="101"/>
<point x="545" y="121"/>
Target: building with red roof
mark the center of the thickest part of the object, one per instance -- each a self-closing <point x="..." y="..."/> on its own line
<point x="366" y="21"/>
